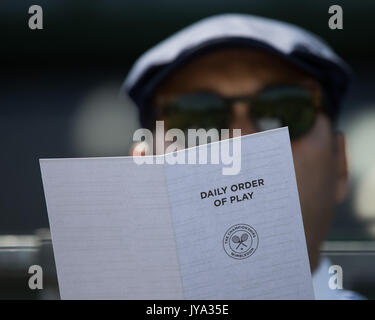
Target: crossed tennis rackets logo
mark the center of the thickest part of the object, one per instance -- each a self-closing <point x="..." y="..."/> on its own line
<point x="240" y="241"/>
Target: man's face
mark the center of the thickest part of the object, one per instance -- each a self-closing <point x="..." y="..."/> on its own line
<point x="319" y="156"/>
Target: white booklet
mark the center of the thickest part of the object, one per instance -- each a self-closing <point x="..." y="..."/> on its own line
<point x="121" y="230"/>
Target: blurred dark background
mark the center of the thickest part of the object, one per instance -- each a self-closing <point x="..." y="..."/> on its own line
<point x="59" y="85"/>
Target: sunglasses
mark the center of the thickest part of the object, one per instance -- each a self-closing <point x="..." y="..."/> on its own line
<point x="272" y="107"/>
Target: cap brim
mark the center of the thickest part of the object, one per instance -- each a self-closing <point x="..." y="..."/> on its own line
<point x="332" y="77"/>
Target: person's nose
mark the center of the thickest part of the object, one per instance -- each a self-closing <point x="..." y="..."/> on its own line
<point x="241" y="118"/>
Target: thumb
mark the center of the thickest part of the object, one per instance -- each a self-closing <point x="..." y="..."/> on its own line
<point x="139" y="149"/>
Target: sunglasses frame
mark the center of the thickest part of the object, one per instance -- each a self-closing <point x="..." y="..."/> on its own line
<point x="318" y="96"/>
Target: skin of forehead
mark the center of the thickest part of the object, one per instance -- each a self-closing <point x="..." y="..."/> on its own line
<point x="232" y="72"/>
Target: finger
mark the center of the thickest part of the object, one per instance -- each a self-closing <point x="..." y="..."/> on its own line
<point x="139" y="149"/>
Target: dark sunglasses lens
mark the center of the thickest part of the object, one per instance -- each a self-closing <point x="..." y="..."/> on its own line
<point x="196" y="111"/>
<point x="285" y="106"/>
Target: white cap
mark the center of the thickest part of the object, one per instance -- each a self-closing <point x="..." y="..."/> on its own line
<point x="295" y="44"/>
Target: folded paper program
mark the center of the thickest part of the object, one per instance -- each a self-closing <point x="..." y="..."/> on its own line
<point x="249" y="226"/>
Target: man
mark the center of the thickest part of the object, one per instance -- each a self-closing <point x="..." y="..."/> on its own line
<point x="251" y="73"/>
